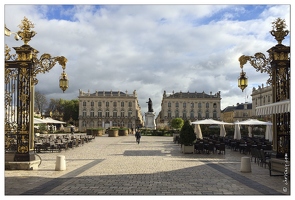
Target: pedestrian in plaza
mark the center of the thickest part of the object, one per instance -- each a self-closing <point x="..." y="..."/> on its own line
<point x="137" y="136"/>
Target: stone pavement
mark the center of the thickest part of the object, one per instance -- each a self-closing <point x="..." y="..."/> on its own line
<point x="156" y="166"/>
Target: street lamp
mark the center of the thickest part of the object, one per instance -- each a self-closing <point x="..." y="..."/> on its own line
<point x="63" y="81"/>
<point x="243" y="81"/>
<point x="278" y="68"/>
<point x="21" y="70"/>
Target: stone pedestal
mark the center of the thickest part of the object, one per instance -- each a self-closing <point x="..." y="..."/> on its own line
<point x="150" y="120"/>
<point x="29" y="161"/>
<point x="60" y="164"/>
<point x="245" y="164"/>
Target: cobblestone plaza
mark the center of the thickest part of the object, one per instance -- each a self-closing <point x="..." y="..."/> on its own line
<point x="156" y="166"/>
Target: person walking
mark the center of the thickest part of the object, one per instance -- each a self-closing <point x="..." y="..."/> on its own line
<point x="137" y="136"/>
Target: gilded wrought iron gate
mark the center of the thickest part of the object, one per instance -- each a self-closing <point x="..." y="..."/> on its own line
<point x="20" y="77"/>
<point x="18" y="74"/>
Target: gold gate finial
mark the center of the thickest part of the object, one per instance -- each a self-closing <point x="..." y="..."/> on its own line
<point x="26" y="33"/>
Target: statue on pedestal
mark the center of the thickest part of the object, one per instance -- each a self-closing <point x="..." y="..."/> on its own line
<point x="150" y="105"/>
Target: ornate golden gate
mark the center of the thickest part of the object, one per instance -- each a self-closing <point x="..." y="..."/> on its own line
<point x="20" y="77"/>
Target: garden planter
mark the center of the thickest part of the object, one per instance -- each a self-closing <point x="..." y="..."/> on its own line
<point x="100" y="132"/>
<point x="123" y="132"/>
<point x="95" y="132"/>
<point x="187" y="149"/>
<point x="113" y="133"/>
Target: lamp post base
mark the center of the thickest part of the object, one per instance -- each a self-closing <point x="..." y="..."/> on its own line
<point x="16" y="161"/>
<point x="24" y="165"/>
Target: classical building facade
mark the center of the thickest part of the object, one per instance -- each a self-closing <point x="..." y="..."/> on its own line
<point x="104" y="109"/>
<point x="240" y="112"/>
<point x="188" y="105"/>
<point x="260" y="97"/>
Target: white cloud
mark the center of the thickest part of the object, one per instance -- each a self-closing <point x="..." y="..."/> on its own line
<point x="150" y="48"/>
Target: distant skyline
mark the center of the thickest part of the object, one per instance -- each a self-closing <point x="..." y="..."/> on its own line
<point x="150" y="48"/>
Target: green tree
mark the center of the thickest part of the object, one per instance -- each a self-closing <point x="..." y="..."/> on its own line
<point x="71" y="109"/>
<point x="177" y="123"/>
<point x="187" y="134"/>
<point x="68" y="108"/>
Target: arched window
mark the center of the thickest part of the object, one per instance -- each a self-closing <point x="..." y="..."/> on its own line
<point x="130" y="113"/>
<point x="122" y="113"/>
<point x="184" y="114"/>
<point x="192" y="114"/>
<point x="214" y="105"/>
<point x="99" y="113"/>
<point x="207" y="114"/>
<point x="91" y="113"/>
<point x="176" y="113"/>
<point x="214" y="114"/>
<point x="169" y="113"/>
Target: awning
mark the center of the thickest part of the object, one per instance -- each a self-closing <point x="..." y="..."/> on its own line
<point x="211" y="121"/>
<point x="53" y="121"/>
<point x="274" y="108"/>
<point x="253" y="122"/>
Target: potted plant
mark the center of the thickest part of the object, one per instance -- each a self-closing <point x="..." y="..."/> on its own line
<point x="176" y="124"/>
<point x="123" y="131"/>
<point x="113" y="132"/>
<point x="187" y="137"/>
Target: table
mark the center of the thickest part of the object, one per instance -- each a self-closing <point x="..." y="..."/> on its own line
<point x="243" y="147"/>
<point x="37" y="147"/>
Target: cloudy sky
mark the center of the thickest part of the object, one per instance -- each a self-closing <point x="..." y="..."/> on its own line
<point x="150" y="48"/>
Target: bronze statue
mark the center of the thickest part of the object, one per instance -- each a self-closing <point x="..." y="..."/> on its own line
<point x="150" y="105"/>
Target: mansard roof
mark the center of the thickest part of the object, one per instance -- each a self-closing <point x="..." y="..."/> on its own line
<point x="241" y="106"/>
<point x="229" y="108"/>
<point x="108" y="93"/>
<point x="238" y="107"/>
<point x="191" y="95"/>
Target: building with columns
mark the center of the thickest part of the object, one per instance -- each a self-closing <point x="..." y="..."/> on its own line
<point x="104" y="109"/>
<point x="188" y="105"/>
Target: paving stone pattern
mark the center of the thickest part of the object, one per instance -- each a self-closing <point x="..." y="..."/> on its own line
<point x="156" y="166"/>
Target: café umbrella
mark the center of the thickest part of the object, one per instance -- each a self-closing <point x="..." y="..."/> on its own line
<point x="198" y="131"/>
<point x="237" y="133"/>
<point x="212" y="121"/>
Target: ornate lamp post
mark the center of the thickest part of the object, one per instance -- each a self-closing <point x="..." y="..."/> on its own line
<point x="278" y="68"/>
<point x="20" y="78"/>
